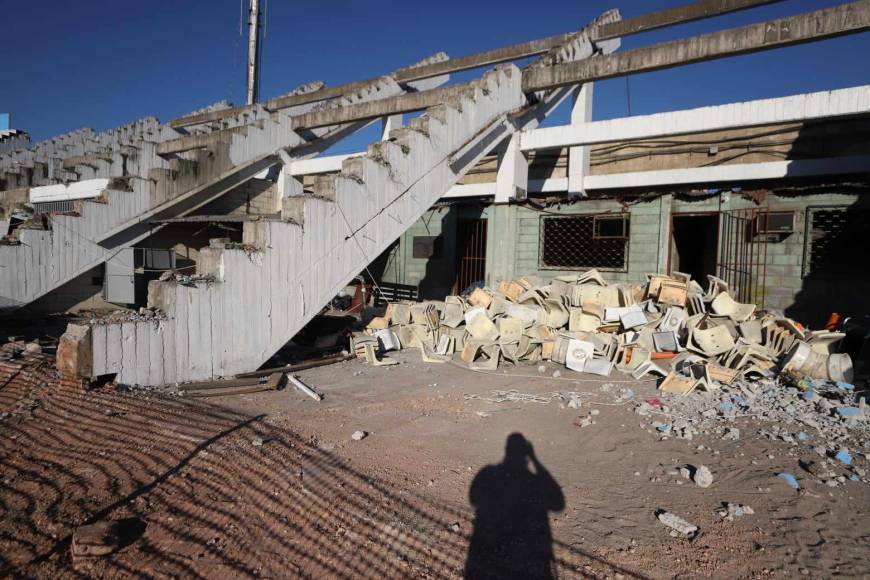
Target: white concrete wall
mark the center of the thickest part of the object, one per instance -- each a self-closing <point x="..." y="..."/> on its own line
<point x="259" y="302"/>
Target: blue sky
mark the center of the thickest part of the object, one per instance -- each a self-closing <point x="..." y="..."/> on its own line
<point x="101" y="63"/>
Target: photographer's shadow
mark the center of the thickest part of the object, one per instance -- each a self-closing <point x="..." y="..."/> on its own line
<point x="512" y="537"/>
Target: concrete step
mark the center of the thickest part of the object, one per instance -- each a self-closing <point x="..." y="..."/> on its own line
<point x="249" y="300"/>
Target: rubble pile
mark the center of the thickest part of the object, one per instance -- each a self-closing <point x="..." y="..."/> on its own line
<point x="691" y="340"/>
<point x="669" y="327"/>
<point x="830" y="408"/>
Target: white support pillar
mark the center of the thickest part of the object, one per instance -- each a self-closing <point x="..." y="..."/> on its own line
<point x="511" y="182"/>
<point x="390" y="123"/>
<point x="512" y="176"/>
<point x="578" y="157"/>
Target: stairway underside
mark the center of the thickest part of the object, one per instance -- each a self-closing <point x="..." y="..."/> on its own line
<point x="247" y="300"/>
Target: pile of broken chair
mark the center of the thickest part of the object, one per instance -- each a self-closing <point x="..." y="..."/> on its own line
<point x="669" y="327"/>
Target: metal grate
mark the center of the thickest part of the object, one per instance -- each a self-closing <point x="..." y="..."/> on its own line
<point x="584" y="241"/>
<point x="54" y="206"/>
<point x="743" y="253"/>
<point x="395" y="293"/>
<point x="471" y="266"/>
<point x="836" y="237"/>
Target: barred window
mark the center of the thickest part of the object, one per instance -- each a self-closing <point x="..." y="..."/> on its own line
<point x="584" y="241"/>
<point x="835" y="240"/>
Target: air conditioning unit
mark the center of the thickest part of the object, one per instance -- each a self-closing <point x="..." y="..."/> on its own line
<point x="775" y="222"/>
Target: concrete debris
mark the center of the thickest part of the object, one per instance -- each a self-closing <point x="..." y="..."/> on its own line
<point x="359" y="435"/>
<point x="703" y="477"/>
<point x="678" y="525"/>
<point x="780" y="404"/>
<point x="729" y="511"/>
<point x="731" y="434"/>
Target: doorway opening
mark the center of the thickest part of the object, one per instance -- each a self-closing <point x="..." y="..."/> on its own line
<point x="694" y="245"/>
<point x="470" y="254"/>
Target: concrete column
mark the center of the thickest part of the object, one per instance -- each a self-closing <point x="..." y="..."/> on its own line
<point x="512" y="176"/>
<point x="390" y="123"/>
<point x="578" y="157"/>
<point x="665" y="211"/>
<point x="501" y="244"/>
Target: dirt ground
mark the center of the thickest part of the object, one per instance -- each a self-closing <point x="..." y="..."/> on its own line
<point x="272" y="484"/>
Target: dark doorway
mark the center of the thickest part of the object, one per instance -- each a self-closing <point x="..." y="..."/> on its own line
<point x="470" y="253"/>
<point x="694" y="244"/>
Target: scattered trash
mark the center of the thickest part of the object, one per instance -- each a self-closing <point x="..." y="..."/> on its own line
<point x="678" y="525"/>
<point x="305" y="388"/>
<point x="257" y="442"/>
<point x="843" y="457"/>
<point x="731" y="434"/>
<point x="359" y="435"/>
<point x="735" y="510"/>
<point x="790" y="479"/>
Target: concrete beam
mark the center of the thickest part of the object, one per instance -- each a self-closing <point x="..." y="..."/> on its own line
<point x="197" y="141"/>
<point x="286" y="101"/>
<point x="512" y="175"/>
<point x="578" y="157"/>
<point x="688" y="13"/>
<point x="738" y="172"/>
<point x="795" y="108"/>
<point x="734" y="173"/>
<point x="416" y="73"/>
<point x="406" y="103"/>
<point x="675" y="15"/>
<point x="207" y="117"/>
<point x="808" y="27"/>
<point x="330" y="164"/>
<point x="486" y="58"/>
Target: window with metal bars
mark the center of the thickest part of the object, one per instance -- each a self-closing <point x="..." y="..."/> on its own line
<point x="836" y="237"/>
<point x="572" y="242"/>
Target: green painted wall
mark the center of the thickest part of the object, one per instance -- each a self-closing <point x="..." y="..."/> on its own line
<point x="513" y="247"/>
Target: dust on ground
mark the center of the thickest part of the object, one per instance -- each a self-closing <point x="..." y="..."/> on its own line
<point x="272" y="484"/>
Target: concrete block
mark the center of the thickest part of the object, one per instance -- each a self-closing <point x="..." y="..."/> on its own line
<point x="75" y="352"/>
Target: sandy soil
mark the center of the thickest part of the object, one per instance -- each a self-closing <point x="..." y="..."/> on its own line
<point x="272" y="485"/>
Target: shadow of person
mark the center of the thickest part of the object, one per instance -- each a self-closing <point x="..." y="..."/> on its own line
<point x="512" y="537"/>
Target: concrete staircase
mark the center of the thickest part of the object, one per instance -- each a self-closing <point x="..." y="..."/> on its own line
<point x="249" y="299"/>
<point x="153" y="171"/>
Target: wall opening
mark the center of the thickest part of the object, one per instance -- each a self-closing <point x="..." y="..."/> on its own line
<point x="579" y="242"/>
<point x="470" y="254"/>
<point x="694" y="245"/>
